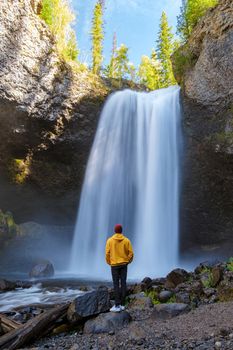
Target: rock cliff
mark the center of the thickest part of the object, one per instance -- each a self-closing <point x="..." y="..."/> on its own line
<point x="48" y="114"/>
<point x="205" y="68"/>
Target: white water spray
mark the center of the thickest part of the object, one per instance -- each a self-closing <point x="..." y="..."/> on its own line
<point x="132" y="178"/>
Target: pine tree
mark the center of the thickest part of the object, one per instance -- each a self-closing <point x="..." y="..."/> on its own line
<point x="122" y="62"/>
<point x="190" y="13"/>
<point x="110" y="70"/>
<point x="97" y="36"/>
<point x="165" y="49"/>
<point x="149" y="71"/>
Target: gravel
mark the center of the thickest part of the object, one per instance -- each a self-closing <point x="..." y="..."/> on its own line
<point x="208" y="327"/>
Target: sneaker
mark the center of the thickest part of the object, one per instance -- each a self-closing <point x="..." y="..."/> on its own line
<point x="122" y="307"/>
<point x="115" y="308"/>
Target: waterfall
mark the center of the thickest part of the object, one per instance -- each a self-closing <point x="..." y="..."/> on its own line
<point x="132" y="178"/>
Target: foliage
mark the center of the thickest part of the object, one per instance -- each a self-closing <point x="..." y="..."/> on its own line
<point x="190" y="13"/>
<point x="19" y="170"/>
<point x="165" y="49"/>
<point x="149" y="71"/>
<point x="7" y="222"/>
<point x="97" y="36"/>
<point x="58" y="15"/>
<point x="154" y="296"/>
<point x="208" y="281"/>
<point x="183" y="59"/>
<point x="230" y="264"/>
<point x="119" y="66"/>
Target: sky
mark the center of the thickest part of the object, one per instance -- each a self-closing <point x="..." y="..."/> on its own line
<point x="136" y="23"/>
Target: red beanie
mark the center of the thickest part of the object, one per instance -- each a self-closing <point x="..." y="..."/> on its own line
<point x="118" y="228"/>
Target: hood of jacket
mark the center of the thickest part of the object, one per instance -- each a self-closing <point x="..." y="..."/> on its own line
<point x="118" y="236"/>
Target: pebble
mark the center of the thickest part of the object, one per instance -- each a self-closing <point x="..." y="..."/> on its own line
<point x="218" y="344"/>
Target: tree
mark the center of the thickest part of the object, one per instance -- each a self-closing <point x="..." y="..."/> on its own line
<point x="110" y="70"/>
<point x="97" y="36"/>
<point x="165" y="49"/>
<point x="58" y="15"/>
<point x="190" y="13"/>
<point x="149" y="71"/>
<point x="121" y="62"/>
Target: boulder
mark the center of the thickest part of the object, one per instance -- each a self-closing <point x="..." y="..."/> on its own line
<point x="42" y="269"/>
<point x="6" y="285"/>
<point x="146" y="283"/>
<point x="183" y="297"/>
<point x="109" y="322"/>
<point x="140" y="301"/>
<point x="89" y="304"/>
<point x="176" y="277"/>
<point x="217" y="275"/>
<point x="166" y="311"/>
<point x="164" y="296"/>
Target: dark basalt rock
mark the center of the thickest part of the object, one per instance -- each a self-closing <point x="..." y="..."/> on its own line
<point x="107" y="323"/>
<point x="166" y="311"/>
<point x="89" y="304"/>
<point x="42" y="269"/>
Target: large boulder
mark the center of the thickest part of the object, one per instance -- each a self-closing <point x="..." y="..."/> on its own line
<point x="89" y="304"/>
<point x="166" y="311"/>
<point x="109" y="322"/>
<point x="176" y="277"/>
<point x="42" y="269"/>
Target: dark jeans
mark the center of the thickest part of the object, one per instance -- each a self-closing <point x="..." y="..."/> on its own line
<point x="119" y="276"/>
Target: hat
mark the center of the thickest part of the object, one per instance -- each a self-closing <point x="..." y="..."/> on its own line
<point x="118" y="228"/>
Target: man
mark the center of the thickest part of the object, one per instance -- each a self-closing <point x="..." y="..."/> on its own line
<point x="119" y="253"/>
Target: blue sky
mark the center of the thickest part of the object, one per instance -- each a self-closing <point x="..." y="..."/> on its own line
<point x="136" y="23"/>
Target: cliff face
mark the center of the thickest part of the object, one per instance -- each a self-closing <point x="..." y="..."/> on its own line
<point x="207" y="79"/>
<point x="48" y="114"/>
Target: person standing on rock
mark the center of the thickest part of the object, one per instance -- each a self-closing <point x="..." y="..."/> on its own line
<point x="119" y="253"/>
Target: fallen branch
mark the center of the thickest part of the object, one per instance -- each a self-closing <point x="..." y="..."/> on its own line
<point x="33" y="329"/>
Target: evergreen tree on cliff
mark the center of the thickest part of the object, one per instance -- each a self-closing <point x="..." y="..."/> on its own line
<point x="190" y="13"/>
<point x="97" y="35"/>
<point x="165" y="49"/>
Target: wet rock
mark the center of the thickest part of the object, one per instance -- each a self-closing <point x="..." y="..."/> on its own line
<point x="6" y="285"/>
<point x="106" y="323"/>
<point x="89" y="304"/>
<point x="164" y="296"/>
<point x="43" y="269"/>
<point x="176" y="277"/>
<point x="166" y="311"/>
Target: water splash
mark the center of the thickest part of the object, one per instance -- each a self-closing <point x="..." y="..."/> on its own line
<point x="132" y="178"/>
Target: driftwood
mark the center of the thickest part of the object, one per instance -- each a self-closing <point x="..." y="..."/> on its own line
<point x="32" y="329"/>
<point x="7" y="324"/>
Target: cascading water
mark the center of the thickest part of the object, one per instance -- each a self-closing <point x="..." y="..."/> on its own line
<point x="132" y="178"/>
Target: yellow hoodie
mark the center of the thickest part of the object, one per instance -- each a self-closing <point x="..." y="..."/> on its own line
<point x="118" y="250"/>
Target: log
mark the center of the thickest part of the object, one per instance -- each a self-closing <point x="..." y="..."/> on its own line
<point x="7" y="324"/>
<point x="33" y="329"/>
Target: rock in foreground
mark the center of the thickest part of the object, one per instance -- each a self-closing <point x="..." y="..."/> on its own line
<point x="109" y="322"/>
<point x="166" y="311"/>
<point x="89" y="304"/>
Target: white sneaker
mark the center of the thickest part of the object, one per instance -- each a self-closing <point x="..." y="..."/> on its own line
<point x="115" y="308"/>
<point x="122" y="307"/>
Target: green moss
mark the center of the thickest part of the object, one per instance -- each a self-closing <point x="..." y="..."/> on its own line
<point x="19" y="170"/>
<point x="182" y="60"/>
<point x="154" y="296"/>
<point x="229" y="264"/>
